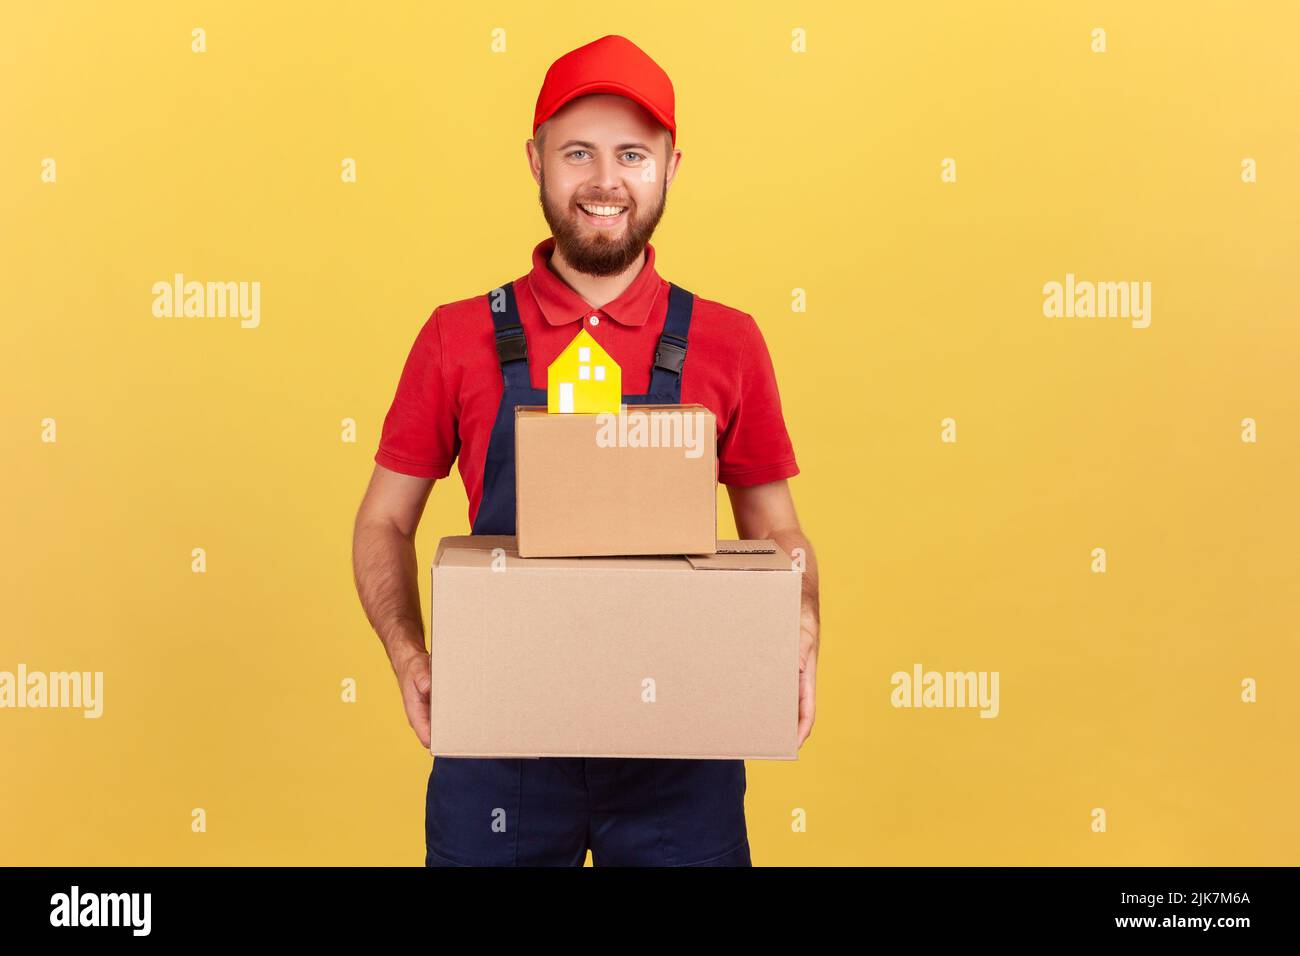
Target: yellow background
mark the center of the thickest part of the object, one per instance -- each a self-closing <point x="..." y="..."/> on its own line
<point x="817" y="171"/>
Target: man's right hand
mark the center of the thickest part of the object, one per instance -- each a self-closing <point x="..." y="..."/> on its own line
<point x="414" y="675"/>
<point x="384" y="563"/>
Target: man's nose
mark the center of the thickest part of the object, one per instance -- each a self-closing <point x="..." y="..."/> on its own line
<point x="608" y="174"/>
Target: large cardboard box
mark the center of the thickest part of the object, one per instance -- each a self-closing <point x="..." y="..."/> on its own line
<point x="614" y="657"/>
<point x="643" y="481"/>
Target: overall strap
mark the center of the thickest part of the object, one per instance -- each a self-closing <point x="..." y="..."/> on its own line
<point x="670" y="353"/>
<point x="512" y="347"/>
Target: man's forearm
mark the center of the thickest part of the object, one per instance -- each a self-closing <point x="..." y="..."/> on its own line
<point x="794" y="543"/>
<point x="385" y="567"/>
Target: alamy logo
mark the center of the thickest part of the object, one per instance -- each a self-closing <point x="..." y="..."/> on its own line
<point x="82" y="690"/>
<point x="671" y="428"/>
<point x="208" y="300"/>
<point x="1098" y="300"/>
<point x="946" y="689"/>
<point x="102" y="909"/>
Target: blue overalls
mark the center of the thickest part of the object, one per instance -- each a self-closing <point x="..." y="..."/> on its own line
<point x="549" y="811"/>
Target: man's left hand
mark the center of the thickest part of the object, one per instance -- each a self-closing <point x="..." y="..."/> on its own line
<point x="808" y="644"/>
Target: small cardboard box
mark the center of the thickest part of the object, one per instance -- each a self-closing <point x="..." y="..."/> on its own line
<point x="685" y="657"/>
<point x="643" y="481"/>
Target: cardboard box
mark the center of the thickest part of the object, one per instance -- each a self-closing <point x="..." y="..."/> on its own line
<point x="644" y="481"/>
<point x="694" y="657"/>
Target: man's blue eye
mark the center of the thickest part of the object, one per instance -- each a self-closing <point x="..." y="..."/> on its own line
<point x="637" y="156"/>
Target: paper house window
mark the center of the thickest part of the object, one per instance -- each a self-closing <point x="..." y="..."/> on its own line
<point x="583" y="379"/>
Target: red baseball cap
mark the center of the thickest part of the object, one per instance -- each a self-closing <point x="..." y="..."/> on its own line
<point x="612" y="64"/>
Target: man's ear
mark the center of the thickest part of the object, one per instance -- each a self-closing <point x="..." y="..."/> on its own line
<point x="674" y="163"/>
<point x="534" y="160"/>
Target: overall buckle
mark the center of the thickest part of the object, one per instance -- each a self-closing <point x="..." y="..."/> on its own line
<point x="512" y="346"/>
<point x="670" y="356"/>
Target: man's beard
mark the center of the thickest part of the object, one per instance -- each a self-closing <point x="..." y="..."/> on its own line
<point x="598" y="254"/>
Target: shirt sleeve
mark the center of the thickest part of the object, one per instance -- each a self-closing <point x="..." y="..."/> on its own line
<point x="419" y="436"/>
<point x="755" y="448"/>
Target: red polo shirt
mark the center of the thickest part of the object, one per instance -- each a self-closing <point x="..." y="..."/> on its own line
<point x="450" y="388"/>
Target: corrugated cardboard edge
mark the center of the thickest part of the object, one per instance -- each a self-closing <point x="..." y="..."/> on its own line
<point x="745" y="555"/>
<point x="747" y="546"/>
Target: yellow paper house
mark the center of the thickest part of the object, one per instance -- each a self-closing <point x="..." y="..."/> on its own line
<point x="583" y="378"/>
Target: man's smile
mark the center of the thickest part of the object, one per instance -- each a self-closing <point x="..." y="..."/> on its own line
<point x="602" y="216"/>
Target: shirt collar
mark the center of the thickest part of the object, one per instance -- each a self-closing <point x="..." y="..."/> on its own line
<point x="561" y="305"/>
